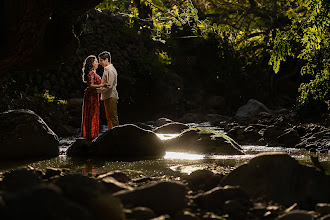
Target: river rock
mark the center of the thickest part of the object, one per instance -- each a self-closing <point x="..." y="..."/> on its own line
<point x="121" y="142"/>
<point x="92" y="195"/>
<point x="163" y="197"/>
<point x="252" y="109"/>
<point x="289" y="139"/>
<point x="202" y="180"/>
<point x="197" y="140"/>
<point x="323" y="208"/>
<point x="216" y="197"/>
<point x="281" y="178"/>
<point x="42" y="202"/>
<point x="19" y="179"/>
<point x="160" y="121"/>
<point x="171" y="128"/>
<point x="141" y="213"/>
<point x="113" y="185"/>
<point x="24" y="134"/>
<point x="296" y="215"/>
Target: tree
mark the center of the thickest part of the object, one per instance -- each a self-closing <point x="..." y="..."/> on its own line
<point x="307" y="39"/>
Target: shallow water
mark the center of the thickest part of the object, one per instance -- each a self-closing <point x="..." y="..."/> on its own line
<point x="172" y="164"/>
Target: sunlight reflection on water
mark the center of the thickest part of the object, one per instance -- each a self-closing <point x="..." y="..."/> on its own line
<point x="183" y="162"/>
<point x="183" y="156"/>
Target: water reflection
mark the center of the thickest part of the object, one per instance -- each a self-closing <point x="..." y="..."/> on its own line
<point x="172" y="164"/>
<point x="183" y="156"/>
<point x="89" y="169"/>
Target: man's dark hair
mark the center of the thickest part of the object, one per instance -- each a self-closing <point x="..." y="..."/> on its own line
<point x="104" y="55"/>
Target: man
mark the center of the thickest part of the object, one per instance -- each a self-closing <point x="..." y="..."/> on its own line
<point x="109" y="94"/>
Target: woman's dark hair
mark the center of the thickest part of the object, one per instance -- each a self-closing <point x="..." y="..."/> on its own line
<point x="87" y="67"/>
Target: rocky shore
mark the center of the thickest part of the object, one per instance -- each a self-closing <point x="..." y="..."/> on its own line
<point x="269" y="186"/>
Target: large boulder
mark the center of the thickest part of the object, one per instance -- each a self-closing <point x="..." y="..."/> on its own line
<point x="23" y="134"/>
<point x="121" y="142"/>
<point x="281" y="178"/>
<point x="251" y="109"/>
<point x="198" y="140"/>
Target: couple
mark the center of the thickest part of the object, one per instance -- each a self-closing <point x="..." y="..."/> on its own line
<point x="106" y="86"/>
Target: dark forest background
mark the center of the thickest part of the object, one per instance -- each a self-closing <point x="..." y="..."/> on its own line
<point x="175" y="56"/>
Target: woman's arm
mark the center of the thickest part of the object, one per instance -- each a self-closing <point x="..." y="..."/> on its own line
<point x="91" y="85"/>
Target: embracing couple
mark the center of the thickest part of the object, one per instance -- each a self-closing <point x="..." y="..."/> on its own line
<point x="106" y="86"/>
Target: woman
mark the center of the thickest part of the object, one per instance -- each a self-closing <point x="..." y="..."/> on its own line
<point x="91" y="108"/>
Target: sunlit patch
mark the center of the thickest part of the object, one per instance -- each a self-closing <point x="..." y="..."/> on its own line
<point x="183" y="156"/>
<point x="231" y="157"/>
<point x="167" y="136"/>
<point x="188" y="169"/>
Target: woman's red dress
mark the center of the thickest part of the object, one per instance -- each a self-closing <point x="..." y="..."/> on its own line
<point x="91" y="109"/>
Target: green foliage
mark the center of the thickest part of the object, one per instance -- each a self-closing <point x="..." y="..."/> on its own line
<point x="282" y="49"/>
<point x="308" y="40"/>
<point x="19" y="96"/>
<point x="241" y="38"/>
<point x="163" y="57"/>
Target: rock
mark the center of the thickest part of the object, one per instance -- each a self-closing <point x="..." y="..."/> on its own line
<point x="202" y="180"/>
<point x="193" y="118"/>
<point x="323" y="208"/>
<point x="20" y="179"/>
<point x="51" y="172"/>
<point x="326" y="217"/>
<point x="245" y="135"/>
<point x="119" y="176"/>
<point x="163" y="217"/>
<point x="289" y="139"/>
<point x="25" y="135"/>
<point x="279" y="177"/>
<point x="216" y="198"/>
<point x="128" y="141"/>
<point x="271" y="133"/>
<point x="39" y="202"/>
<point x="141" y="213"/>
<point x="113" y="185"/>
<point x="185" y="215"/>
<point x="252" y="109"/>
<point x="235" y="209"/>
<point x="162" y="197"/>
<point x="171" y="128"/>
<point x="93" y="195"/>
<point x="161" y="121"/>
<point x="296" y="215"/>
<point x="199" y="140"/>
<point x="79" y="148"/>
<point x="121" y="142"/>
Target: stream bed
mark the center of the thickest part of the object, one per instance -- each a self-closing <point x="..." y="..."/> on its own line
<point x="172" y="164"/>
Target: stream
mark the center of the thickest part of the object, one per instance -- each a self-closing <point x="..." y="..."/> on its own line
<point x="173" y="163"/>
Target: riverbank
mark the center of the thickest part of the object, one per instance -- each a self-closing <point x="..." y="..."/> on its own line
<point x="201" y="194"/>
<point x="195" y="189"/>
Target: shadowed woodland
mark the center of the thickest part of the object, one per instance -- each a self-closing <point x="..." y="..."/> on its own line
<point x="173" y="57"/>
